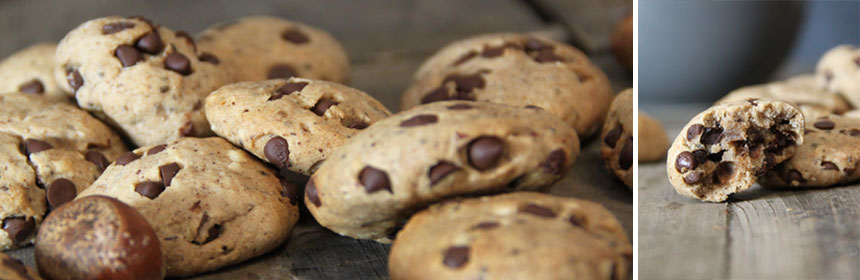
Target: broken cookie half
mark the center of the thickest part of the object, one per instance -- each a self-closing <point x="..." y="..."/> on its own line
<point x="724" y="149"/>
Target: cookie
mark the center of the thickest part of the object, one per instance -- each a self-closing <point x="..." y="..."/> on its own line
<point x="144" y="79"/>
<point x="211" y="204"/>
<point x="827" y="157"/>
<point x="512" y="236"/>
<point x="838" y="71"/>
<point x="725" y="148"/>
<point x="294" y="124"/>
<point x="802" y="91"/>
<point x="519" y="70"/>
<point x="370" y="185"/>
<point x="51" y="151"/>
<point x="12" y="269"/>
<point x="653" y="141"/>
<point x="31" y="70"/>
<point x="260" y="48"/>
<point x="616" y="147"/>
<point x="622" y="42"/>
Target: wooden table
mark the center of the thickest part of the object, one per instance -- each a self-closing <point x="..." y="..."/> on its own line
<point x="756" y="234"/>
<point x="386" y="42"/>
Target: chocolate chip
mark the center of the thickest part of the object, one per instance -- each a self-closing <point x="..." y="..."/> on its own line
<point x="188" y="38"/>
<point x="168" y="171"/>
<point x="700" y="155"/>
<point x="214" y="232"/>
<point x="277" y="151"/>
<point x="612" y="136"/>
<point x="19" y="228"/>
<point x="374" y="180"/>
<point x="486" y="225"/>
<point x="440" y="170"/>
<point x="187" y="129"/>
<point x="290" y="190"/>
<point x="126" y="158"/>
<point x="716" y="157"/>
<point x="209" y="58"/>
<point x="322" y="106"/>
<point x="485" y="152"/>
<point x="711" y="135"/>
<point x="456" y="256"/>
<point x="287" y="89"/>
<point x="545" y="56"/>
<point x="76" y="81"/>
<point x="829" y="166"/>
<point x="295" y="36"/>
<point x="694" y="131"/>
<point x="535" y="45"/>
<point x="311" y="193"/>
<point x="491" y="52"/>
<point x="794" y="176"/>
<point x="149" y="189"/>
<point x="554" y="162"/>
<point x="32" y="146"/>
<point x="436" y="95"/>
<point x="150" y="43"/>
<point x="465" y="84"/>
<point x="465" y="57"/>
<point x="61" y="191"/>
<point x="419" y="120"/>
<point x="533" y="107"/>
<point x="694" y="177"/>
<point x="178" y="63"/>
<point x="156" y="149"/>
<point x="538" y="210"/>
<point x="625" y="159"/>
<point x="725" y="171"/>
<point x="357" y="125"/>
<point x="577" y="220"/>
<point x="98" y="159"/>
<point x="685" y="161"/>
<point x="127" y="55"/>
<point x="824" y="124"/>
<point x="460" y="107"/>
<point x="115" y="27"/>
<point x="34" y="86"/>
<point x="282" y="71"/>
<point x="854" y="132"/>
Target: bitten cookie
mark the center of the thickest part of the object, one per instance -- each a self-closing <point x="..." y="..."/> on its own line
<point x="512" y="236"/>
<point x="142" y="78"/>
<point x="838" y="71"/>
<point x="51" y="151"/>
<point x="211" y="204"/>
<point x="31" y="70"/>
<point x="725" y="148"/>
<point x="12" y="269"/>
<point x="369" y="186"/>
<point x="828" y="156"/>
<point x="801" y="91"/>
<point x="616" y="149"/>
<point x="518" y="70"/>
<point x="294" y="124"/>
<point x="260" y="48"/>
<point x="622" y="42"/>
<point x="653" y="141"/>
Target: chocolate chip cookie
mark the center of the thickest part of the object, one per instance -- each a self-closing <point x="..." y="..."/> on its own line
<point x="838" y="71"/>
<point x="827" y="157"/>
<point x="210" y="203"/>
<point x="294" y="124"/>
<point x="260" y="48"/>
<point x="12" y="269"/>
<point x="801" y="91"/>
<point x="142" y="78"/>
<point x="653" y="141"/>
<point x="371" y="184"/>
<point x="50" y="149"/>
<point x="518" y="70"/>
<point x="725" y="148"/>
<point x="31" y="70"/>
<point x="512" y="236"/>
<point x="616" y="149"/>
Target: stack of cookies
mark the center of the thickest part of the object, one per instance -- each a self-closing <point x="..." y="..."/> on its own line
<point x="218" y="120"/>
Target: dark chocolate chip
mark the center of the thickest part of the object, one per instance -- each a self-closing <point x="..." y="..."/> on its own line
<point x="854" y="132"/>
<point x="612" y="136"/>
<point x="357" y="125"/>
<point x="725" y="171"/>
<point x="277" y="151"/>
<point x="716" y="157"/>
<point x="535" y="45"/>
<point x="32" y="146"/>
<point x="187" y="129"/>
<point x="486" y="225"/>
<point x="711" y="135"/>
<point x="209" y="58"/>
<point x="460" y="107"/>
<point x="829" y="166"/>
<point x="295" y="36"/>
<point x="282" y="71"/>
<point x="824" y="124"/>
<point x="436" y="95"/>
<point x="19" y="228"/>
<point x="76" y="81"/>
<point x="374" y="180"/>
<point x="214" y="233"/>
<point x="491" y="52"/>
<point x="701" y="156"/>
<point x="465" y="57"/>
<point x="288" y="89"/>
<point x="685" y="161"/>
<point x="485" y="152"/>
<point x="554" y="162"/>
<point x="625" y="159"/>
<point x="694" y="131"/>
<point x="127" y="55"/>
<point x="694" y="177"/>
<point x="456" y="256"/>
<point x="126" y="158"/>
<point x="34" y="86"/>
<point x="156" y="149"/>
<point x="178" y="63"/>
<point x="465" y="84"/>
<point x="538" y="210"/>
<point x="440" y="170"/>
<point x="794" y="175"/>
<point x="61" y="191"/>
<point x="545" y="56"/>
<point x="188" y="38"/>
<point x="322" y="106"/>
<point x="149" y="189"/>
<point x="577" y="220"/>
<point x="168" y="171"/>
<point x="115" y="27"/>
<point x="150" y="43"/>
<point x="311" y="193"/>
<point x="533" y="107"/>
<point x="419" y="120"/>
<point x="98" y="159"/>
<point x="290" y="190"/>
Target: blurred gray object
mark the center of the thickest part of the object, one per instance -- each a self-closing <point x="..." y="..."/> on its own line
<point x="696" y="51"/>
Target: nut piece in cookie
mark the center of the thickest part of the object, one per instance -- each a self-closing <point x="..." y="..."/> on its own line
<point x="369" y="186"/>
<point x="521" y="235"/>
<point x="616" y="145"/>
<point x="725" y="148"/>
<point x="98" y="237"/>
<point x="12" y="269"/>
<point x="653" y="141"/>
<point x="31" y="70"/>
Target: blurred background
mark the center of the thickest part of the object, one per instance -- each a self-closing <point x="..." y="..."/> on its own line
<point x="697" y="51"/>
